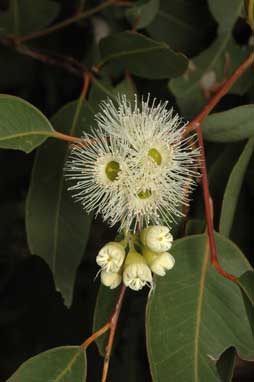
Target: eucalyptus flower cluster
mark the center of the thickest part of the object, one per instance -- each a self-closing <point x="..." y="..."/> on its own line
<point x="134" y="259"/>
<point x="135" y="168"/>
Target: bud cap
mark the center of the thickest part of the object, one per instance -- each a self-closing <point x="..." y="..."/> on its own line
<point x="111" y="257"/>
<point x="111" y="279"/>
<point x="162" y="263"/>
<point x="157" y="238"/>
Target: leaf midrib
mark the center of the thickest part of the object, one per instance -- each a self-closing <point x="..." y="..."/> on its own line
<point x="163" y="14"/>
<point x="21" y="135"/>
<point x="132" y="52"/>
<point x="199" y="310"/>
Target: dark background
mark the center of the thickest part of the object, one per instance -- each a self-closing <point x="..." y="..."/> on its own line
<point x="33" y="317"/>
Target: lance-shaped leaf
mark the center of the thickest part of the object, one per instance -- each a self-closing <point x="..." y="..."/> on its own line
<point x="62" y="364"/>
<point x="22" y="126"/>
<point x="105" y="304"/>
<point x="141" y="55"/>
<point x="194" y="313"/>
<point x="207" y="72"/>
<point x="57" y="227"/>
<point x="22" y="16"/>
<point x="229" y="126"/>
<point x="233" y="189"/>
<point x="246" y="283"/>
<point x="227" y="19"/>
<point x="182" y="26"/>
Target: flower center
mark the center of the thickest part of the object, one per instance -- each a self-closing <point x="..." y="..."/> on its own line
<point x="144" y="194"/>
<point x="112" y="170"/>
<point x="155" y="155"/>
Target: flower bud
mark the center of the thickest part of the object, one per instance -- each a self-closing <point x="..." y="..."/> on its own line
<point x="136" y="273"/>
<point x="111" y="257"/>
<point x="157" y="238"/>
<point x="111" y="279"/>
<point x="159" y="262"/>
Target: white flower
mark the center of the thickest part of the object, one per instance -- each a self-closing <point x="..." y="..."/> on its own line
<point x="137" y="169"/>
<point x="159" y="263"/>
<point x="111" y="257"/>
<point x="136" y="272"/>
<point x="111" y="279"/>
<point x="157" y="238"/>
<point x="162" y="163"/>
<point x="98" y="165"/>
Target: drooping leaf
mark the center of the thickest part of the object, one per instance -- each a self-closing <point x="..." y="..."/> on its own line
<point x="227" y="19"/>
<point x="194" y="313"/>
<point x="101" y="91"/>
<point x="183" y="25"/>
<point x="229" y="126"/>
<point x="126" y="87"/>
<point x="105" y="303"/>
<point x="233" y="188"/>
<point x="22" y="126"/>
<point x="195" y="227"/>
<point x="23" y="17"/>
<point x="207" y="72"/>
<point x="249" y="10"/>
<point x="226" y="364"/>
<point x="141" y="55"/>
<point x="142" y="13"/>
<point x="246" y="283"/>
<point x="221" y="161"/>
<point x="62" y="364"/>
<point x="57" y="227"/>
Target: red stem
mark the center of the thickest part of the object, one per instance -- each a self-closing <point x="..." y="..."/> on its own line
<point x="208" y="209"/>
<point x="113" y="324"/>
<point x="217" y="97"/>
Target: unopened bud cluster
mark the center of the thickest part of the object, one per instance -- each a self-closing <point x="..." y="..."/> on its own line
<point x="122" y="262"/>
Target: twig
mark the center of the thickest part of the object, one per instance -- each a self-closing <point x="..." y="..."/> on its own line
<point x="195" y="124"/>
<point x="217" y="97"/>
<point x="65" y="23"/>
<point x="94" y="336"/>
<point x="86" y="83"/>
<point x="208" y="210"/>
<point x="68" y="63"/>
<point x="113" y="324"/>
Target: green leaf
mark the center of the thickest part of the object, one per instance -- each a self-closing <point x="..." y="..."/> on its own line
<point x="195" y="227"/>
<point x="100" y="91"/>
<point x="23" y="17"/>
<point x="233" y="189"/>
<point x="183" y="25"/>
<point x="246" y="283"/>
<point x="194" y="313"/>
<point x="141" y="55"/>
<point x="249" y="11"/>
<point x="105" y="304"/>
<point x="22" y="126"/>
<point x="207" y="72"/>
<point x="226" y="364"/>
<point x="226" y="20"/>
<point x="57" y="227"/>
<point x="142" y="13"/>
<point x="62" y="364"/>
<point x="229" y="126"/>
